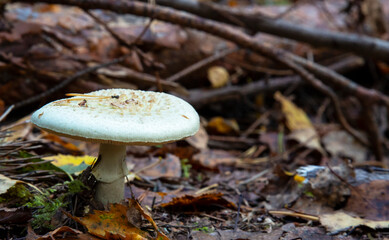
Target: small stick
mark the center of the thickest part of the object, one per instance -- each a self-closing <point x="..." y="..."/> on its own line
<point x="237" y="214"/>
<point x="5" y="114"/>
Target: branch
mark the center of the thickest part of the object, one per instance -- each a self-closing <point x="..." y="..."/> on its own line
<point x="360" y="45"/>
<point x="215" y="28"/>
<point x="201" y="97"/>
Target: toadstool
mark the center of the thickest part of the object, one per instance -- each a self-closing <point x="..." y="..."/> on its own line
<point x="116" y="118"/>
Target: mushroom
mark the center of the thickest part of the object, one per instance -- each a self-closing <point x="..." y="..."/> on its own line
<point x="116" y="118"/>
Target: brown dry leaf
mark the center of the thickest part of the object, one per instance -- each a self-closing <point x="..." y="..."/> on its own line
<point x="213" y="158"/>
<point x="340" y="143"/>
<point x="111" y="223"/>
<point x="60" y="232"/>
<point x="199" y="140"/>
<point x="54" y="138"/>
<point x="370" y="200"/>
<point x="18" y="130"/>
<point x="160" y="234"/>
<point x="220" y="125"/>
<point x="197" y="203"/>
<point x="341" y="221"/>
<point x="169" y="167"/>
<point x="19" y="215"/>
<point x="218" y="76"/>
<point x="299" y="124"/>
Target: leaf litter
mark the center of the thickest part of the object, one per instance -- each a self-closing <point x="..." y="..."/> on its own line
<point x="239" y="177"/>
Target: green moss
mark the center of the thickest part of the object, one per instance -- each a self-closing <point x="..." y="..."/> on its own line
<point x="75" y="186"/>
<point x="204" y="229"/>
<point x="45" y="208"/>
<point x="17" y="195"/>
<point x="185" y="166"/>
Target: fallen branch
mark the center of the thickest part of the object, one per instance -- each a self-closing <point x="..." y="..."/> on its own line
<point x="215" y="28"/>
<point x="201" y="97"/>
<point x="360" y="45"/>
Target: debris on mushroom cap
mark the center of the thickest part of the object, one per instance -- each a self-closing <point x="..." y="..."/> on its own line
<point x="120" y="116"/>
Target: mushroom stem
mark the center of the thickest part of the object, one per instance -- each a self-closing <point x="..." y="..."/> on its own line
<point x="109" y="172"/>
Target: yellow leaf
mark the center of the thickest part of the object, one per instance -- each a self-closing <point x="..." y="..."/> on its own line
<point x="299" y="124"/>
<point x="71" y="164"/>
<point x="218" y="76"/>
<point x="342" y="221"/>
<point x="111" y="223"/>
<point x="299" y="179"/>
<point x="61" y="160"/>
<point x="296" y="118"/>
<point x="223" y="126"/>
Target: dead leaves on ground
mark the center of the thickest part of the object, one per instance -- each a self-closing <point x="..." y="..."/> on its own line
<point x="188" y="203"/>
<point x="116" y="223"/>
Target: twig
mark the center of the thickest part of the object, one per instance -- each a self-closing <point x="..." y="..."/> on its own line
<point x="67" y="81"/>
<point x="260" y="69"/>
<point x="238" y="212"/>
<point x="5" y="114"/>
<point x="253" y="178"/>
<point x="364" y="94"/>
<point x="202" y="63"/>
<point x="361" y="45"/>
<point x="373" y="131"/>
<point x="295" y="214"/>
<point x="350" y="186"/>
<point x="212" y="27"/>
<point x="199" y="97"/>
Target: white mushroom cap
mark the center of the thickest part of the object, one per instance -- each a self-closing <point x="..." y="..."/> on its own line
<point x="120" y="116"/>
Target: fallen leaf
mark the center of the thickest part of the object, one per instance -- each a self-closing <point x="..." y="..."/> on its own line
<point x="71" y="164"/>
<point x="160" y="234"/>
<point x="219" y="125"/>
<point x="18" y="130"/>
<point x="218" y="76"/>
<point x="340" y="221"/>
<point x="340" y="143"/>
<point x="198" y="203"/>
<point x="60" y="232"/>
<point x="18" y="215"/>
<point x="299" y="124"/>
<point x="213" y="158"/>
<point x="370" y="200"/>
<point x="68" y="145"/>
<point x="6" y="183"/>
<point x="199" y="140"/>
<point x="110" y="223"/>
<point x="168" y="167"/>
